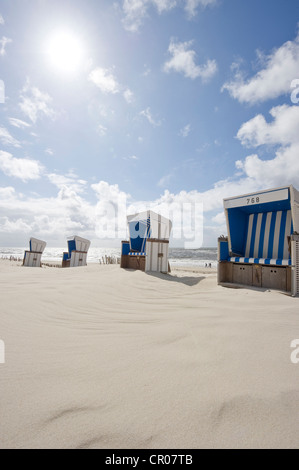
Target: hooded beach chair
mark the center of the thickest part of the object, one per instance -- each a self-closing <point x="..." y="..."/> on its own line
<point x="262" y="247"/>
<point x="33" y="257"/>
<point x="77" y="252"/>
<point x="147" y="249"/>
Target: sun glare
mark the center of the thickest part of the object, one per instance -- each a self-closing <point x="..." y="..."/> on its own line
<point x="65" y="52"/>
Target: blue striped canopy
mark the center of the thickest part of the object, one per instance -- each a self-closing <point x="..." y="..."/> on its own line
<point x="267" y="235"/>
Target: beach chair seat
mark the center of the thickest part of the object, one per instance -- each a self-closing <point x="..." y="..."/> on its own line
<point x="266" y="262"/>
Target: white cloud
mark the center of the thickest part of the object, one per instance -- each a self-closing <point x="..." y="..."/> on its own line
<point x="14" y="226"/>
<point x="192" y="5"/>
<point x="7" y="139"/>
<point x="22" y="168"/>
<point x="281" y="132"/>
<point x="183" y="61"/>
<point x="136" y="10"/>
<point x="105" y="191"/>
<point x="102" y="130"/>
<point x="35" y="104"/>
<point x="273" y="80"/>
<point x="3" y="43"/>
<point x="72" y="174"/>
<point x="70" y="183"/>
<point x="52" y="218"/>
<point x="1" y="19"/>
<point x="105" y="80"/>
<point x="129" y="96"/>
<point x="132" y="157"/>
<point x="18" y="123"/>
<point x="165" y="180"/>
<point x="279" y="171"/>
<point x="7" y="193"/>
<point x="185" y="131"/>
<point x="147" y="114"/>
<point x="49" y="151"/>
<point x="164" y="5"/>
<point x="219" y="219"/>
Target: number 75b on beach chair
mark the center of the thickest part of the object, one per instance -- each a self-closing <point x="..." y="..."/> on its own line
<point x="33" y="257"/>
<point x="262" y="247"/>
<point x="77" y="252"/>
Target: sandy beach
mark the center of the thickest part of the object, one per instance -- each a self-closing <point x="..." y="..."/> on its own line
<point x="99" y="357"/>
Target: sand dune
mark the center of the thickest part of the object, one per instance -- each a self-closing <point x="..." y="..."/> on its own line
<point x="99" y="357"/>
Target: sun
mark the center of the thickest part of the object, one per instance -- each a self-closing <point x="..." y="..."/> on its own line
<point x="65" y="52"/>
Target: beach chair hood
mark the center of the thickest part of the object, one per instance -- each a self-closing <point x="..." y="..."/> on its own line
<point x="146" y="225"/>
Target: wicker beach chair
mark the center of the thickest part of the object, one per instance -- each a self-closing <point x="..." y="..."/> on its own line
<point x="33" y="257"/>
<point x="262" y="248"/>
<point x="77" y="252"/>
<point x="147" y="248"/>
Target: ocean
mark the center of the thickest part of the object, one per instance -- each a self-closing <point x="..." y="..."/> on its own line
<point x="177" y="256"/>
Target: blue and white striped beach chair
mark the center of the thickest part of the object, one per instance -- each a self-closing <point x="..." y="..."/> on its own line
<point x="147" y="248"/>
<point x="33" y="257"/>
<point x="77" y="252"/>
<point x="261" y="231"/>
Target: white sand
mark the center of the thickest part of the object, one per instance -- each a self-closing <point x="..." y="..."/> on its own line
<point x="99" y="357"/>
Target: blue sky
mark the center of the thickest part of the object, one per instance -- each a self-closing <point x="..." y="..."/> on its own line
<point x="142" y="104"/>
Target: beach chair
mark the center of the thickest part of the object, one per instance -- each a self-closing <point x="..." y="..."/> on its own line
<point x="147" y="248"/>
<point x="262" y="246"/>
<point x="33" y="257"/>
<point x="77" y="252"/>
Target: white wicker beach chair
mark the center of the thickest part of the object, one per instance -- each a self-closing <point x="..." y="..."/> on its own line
<point x="33" y="257"/>
<point x="147" y="248"/>
<point x="77" y="252"/>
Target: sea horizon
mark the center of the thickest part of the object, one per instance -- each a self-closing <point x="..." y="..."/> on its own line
<point x="177" y="256"/>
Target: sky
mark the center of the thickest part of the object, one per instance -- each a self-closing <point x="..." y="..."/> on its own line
<point x="109" y="108"/>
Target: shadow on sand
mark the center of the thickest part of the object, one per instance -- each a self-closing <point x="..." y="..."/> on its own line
<point x="187" y="280"/>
